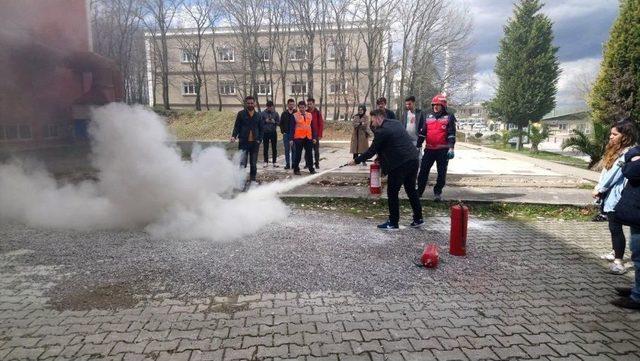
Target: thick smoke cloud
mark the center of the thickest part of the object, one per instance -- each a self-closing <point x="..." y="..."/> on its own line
<point x="143" y="182"/>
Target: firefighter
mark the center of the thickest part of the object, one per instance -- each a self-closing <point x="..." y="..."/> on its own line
<point x="439" y="131"/>
<point x="399" y="160"/>
<point x="304" y="137"/>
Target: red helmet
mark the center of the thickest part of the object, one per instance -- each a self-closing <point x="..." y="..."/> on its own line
<point x="439" y="99"/>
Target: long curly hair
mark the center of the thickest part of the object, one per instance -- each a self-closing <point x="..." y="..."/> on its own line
<point x="629" y="137"/>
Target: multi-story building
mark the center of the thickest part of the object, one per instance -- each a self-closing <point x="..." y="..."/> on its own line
<point x="49" y="75"/>
<point x="279" y="62"/>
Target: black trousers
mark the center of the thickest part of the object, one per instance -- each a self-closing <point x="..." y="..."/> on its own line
<point x="404" y="175"/>
<point x="618" y="240"/>
<point x="300" y="145"/>
<point x="273" y="139"/>
<point x="316" y="152"/>
<point x="250" y="151"/>
<point x="429" y="157"/>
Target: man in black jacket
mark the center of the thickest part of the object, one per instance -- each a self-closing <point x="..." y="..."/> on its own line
<point x="248" y="131"/>
<point x="286" y="119"/>
<point x="382" y="105"/>
<point x="399" y="159"/>
<point x="271" y="120"/>
<point x="629" y="208"/>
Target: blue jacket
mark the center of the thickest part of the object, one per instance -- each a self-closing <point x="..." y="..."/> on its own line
<point x="612" y="183"/>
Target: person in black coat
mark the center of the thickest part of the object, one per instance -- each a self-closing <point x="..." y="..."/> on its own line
<point x="247" y="130"/>
<point x="628" y="208"/>
<point x="382" y="105"/>
<point x="398" y="158"/>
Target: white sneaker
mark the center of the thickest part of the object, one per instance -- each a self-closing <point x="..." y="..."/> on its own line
<point x="609" y="256"/>
<point x="265" y="165"/>
<point x="617" y="268"/>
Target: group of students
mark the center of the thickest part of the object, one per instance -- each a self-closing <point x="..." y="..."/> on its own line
<point x="618" y="191"/>
<point x="301" y="126"/>
<point x="399" y="147"/>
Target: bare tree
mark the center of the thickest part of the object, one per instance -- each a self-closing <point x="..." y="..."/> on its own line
<point x="307" y="14"/>
<point x="373" y="19"/>
<point x="118" y="35"/>
<point x="246" y="18"/>
<point x="192" y="42"/>
<point x="158" y="16"/>
<point x="281" y="35"/>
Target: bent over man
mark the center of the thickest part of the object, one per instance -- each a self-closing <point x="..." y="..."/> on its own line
<point x="399" y="160"/>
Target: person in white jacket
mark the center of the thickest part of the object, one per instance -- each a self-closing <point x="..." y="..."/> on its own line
<point x="609" y="188"/>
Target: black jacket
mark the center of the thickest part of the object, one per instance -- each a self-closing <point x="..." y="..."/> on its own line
<point x="244" y="124"/>
<point x="451" y="128"/>
<point x="420" y="117"/>
<point x="627" y="210"/>
<point x="389" y="114"/>
<point x="270" y="127"/>
<point x="285" y="121"/>
<point x="392" y="144"/>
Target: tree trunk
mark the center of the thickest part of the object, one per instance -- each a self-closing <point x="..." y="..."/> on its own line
<point x="519" y="144"/>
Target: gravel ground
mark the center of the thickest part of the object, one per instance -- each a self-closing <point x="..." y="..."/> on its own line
<point x="309" y="251"/>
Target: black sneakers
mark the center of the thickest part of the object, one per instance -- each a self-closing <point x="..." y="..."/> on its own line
<point x="387" y="226"/>
<point x="626" y="302"/>
<point x="623" y="291"/>
<point x="417" y="224"/>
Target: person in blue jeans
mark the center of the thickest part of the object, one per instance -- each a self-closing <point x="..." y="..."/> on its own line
<point x="610" y="186"/>
<point x="286" y="118"/>
<point x="630" y="297"/>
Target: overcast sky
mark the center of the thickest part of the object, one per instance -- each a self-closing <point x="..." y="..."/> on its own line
<point x="580" y="28"/>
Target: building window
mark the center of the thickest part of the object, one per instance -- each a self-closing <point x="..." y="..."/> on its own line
<point x="264" y="89"/>
<point x="52" y="130"/>
<point x="188" y="88"/>
<point x="562" y="126"/>
<point x="226" y="54"/>
<point x="264" y="54"/>
<point x="298" y="88"/>
<point x="187" y="56"/>
<point x="11" y="132"/>
<point x="227" y="88"/>
<point x="332" y="52"/>
<point x="298" y="53"/>
<point x="25" y="131"/>
<point x="338" y="87"/>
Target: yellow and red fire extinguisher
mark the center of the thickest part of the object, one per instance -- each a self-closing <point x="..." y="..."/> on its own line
<point x="375" y="183"/>
<point x="458" y="236"/>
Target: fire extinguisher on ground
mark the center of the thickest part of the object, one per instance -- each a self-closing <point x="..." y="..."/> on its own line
<point x="375" y="183"/>
<point x="458" y="235"/>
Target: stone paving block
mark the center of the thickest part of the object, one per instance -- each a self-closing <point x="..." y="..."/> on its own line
<point x="92" y="349"/>
<point x="296" y="351"/>
<point x="198" y="355"/>
<point x="393" y="346"/>
<point x="126" y="347"/>
<point x="370" y="346"/>
<point x="335" y="348"/>
<point x="484" y="353"/>
<point x="280" y="351"/>
<point x="355" y="358"/>
<point x="567" y="349"/>
<point x="295" y="338"/>
<point x="310" y="338"/>
<point x="595" y="348"/>
<point x="537" y="351"/>
<point x="19" y="353"/>
<point x="246" y="354"/>
<point x="511" y="340"/>
<point x="155" y="346"/>
<point x="455" y="354"/>
<point x="174" y="356"/>
<point x="375" y="335"/>
<point x="512" y="352"/>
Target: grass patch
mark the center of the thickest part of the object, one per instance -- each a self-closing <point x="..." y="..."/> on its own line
<point x="368" y="208"/>
<point x="550" y="156"/>
<point x="215" y="125"/>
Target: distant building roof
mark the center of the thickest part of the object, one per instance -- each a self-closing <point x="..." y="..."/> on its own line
<point x="569" y="116"/>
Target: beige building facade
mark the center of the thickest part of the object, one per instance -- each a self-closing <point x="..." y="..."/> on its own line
<point x="277" y="68"/>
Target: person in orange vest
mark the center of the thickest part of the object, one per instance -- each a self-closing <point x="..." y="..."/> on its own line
<point x="439" y="131"/>
<point x="304" y="137"/>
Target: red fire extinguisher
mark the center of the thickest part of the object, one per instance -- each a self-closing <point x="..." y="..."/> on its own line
<point x="375" y="183"/>
<point x="458" y="236"/>
<point x="430" y="256"/>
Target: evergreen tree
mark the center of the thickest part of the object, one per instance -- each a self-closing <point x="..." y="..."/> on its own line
<point x="616" y="93"/>
<point x="527" y="68"/>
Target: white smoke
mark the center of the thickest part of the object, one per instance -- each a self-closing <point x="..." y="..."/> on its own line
<point x="143" y="182"/>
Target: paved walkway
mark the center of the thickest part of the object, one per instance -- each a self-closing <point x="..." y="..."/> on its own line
<point x="318" y="286"/>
